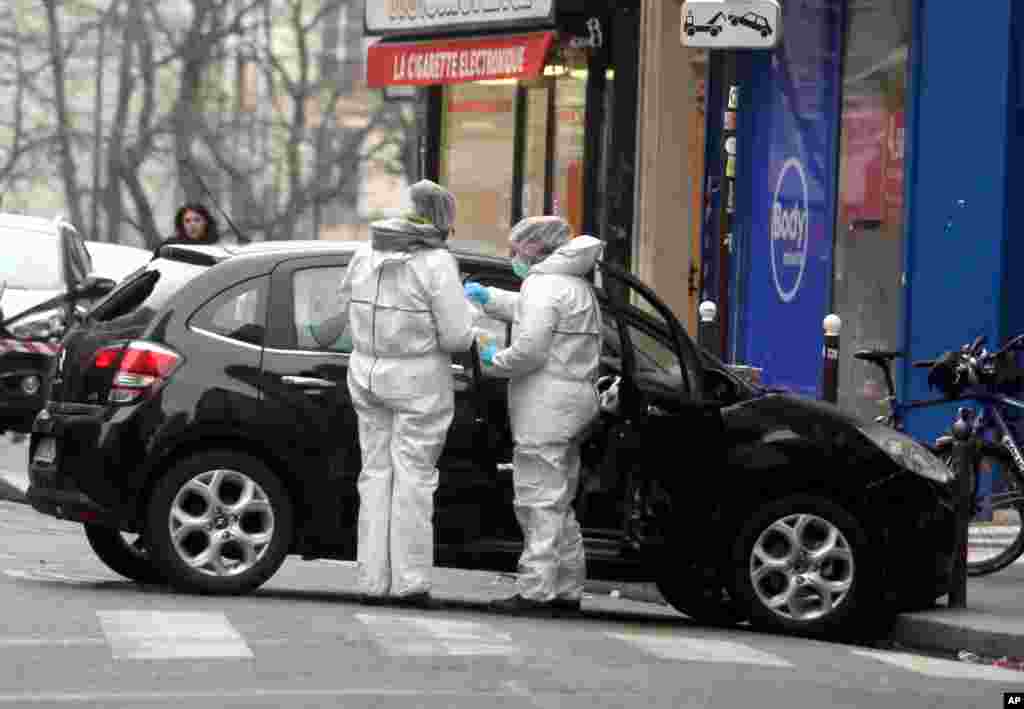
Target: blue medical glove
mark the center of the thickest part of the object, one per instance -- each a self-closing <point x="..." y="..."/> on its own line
<point x="476" y="292"/>
<point x="487" y="353"/>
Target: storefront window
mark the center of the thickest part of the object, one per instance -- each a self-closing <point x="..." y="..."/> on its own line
<point x="570" y="111"/>
<point x="477" y="161"/>
<point x="868" y="282"/>
<point x="530" y="135"/>
<point x="535" y="159"/>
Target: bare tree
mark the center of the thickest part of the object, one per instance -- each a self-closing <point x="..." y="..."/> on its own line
<point x="245" y="98"/>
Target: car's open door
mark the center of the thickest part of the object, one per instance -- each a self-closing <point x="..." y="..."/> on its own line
<point x="659" y="412"/>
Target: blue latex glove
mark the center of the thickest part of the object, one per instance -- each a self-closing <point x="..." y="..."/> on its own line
<point x="476" y="292"/>
<point x="487" y="353"/>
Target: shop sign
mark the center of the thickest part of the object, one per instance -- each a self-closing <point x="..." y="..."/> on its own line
<point x="789" y="229"/>
<point x="457" y="60"/>
<point x="424" y="16"/>
<point x="730" y="24"/>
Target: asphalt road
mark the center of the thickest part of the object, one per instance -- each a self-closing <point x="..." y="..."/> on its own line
<point x="76" y="634"/>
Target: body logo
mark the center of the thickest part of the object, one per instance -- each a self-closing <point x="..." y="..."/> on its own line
<point x="790" y="229"/>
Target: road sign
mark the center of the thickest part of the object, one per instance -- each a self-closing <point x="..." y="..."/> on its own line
<point x="731" y="24"/>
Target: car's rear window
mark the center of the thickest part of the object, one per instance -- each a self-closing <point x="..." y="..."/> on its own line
<point x="146" y="292"/>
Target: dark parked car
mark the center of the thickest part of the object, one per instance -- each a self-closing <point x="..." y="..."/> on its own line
<point x="194" y="409"/>
<point x="47" y="273"/>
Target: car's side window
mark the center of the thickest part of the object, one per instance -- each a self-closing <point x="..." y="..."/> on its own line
<point x="315" y="302"/>
<point x="239" y="313"/>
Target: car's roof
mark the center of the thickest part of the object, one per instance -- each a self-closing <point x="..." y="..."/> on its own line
<point x="294" y="248"/>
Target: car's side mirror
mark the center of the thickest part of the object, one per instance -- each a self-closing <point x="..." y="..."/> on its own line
<point x="94" y="287"/>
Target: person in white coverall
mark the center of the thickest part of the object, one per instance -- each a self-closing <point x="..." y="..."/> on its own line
<point x="552" y="365"/>
<point x="406" y="314"/>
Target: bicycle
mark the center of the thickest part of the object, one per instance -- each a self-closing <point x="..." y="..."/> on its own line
<point x="977" y="375"/>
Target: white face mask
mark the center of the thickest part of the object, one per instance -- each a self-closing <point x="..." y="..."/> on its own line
<point x="519" y="268"/>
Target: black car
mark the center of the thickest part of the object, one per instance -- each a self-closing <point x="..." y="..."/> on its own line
<point x="194" y="409"/>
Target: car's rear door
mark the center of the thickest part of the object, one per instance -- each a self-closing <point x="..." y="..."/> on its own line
<point x="304" y="392"/>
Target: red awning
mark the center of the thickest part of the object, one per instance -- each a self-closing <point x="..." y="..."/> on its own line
<point x="452" y="61"/>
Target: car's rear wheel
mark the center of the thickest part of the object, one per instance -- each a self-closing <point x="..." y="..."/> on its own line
<point x="122" y="554"/>
<point x="803" y="565"/>
<point x="220" y="523"/>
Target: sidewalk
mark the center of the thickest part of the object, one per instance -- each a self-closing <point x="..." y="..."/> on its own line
<point x="992" y="624"/>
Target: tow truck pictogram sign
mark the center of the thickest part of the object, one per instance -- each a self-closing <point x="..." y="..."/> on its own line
<point x="731" y="24"/>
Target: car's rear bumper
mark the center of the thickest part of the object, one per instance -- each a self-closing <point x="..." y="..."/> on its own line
<point x="18" y="408"/>
<point x="89" y="479"/>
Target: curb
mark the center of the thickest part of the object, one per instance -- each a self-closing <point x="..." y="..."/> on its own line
<point x="955" y="630"/>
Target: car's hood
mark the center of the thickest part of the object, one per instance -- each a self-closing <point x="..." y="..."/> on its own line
<point x="791" y="420"/>
<point x="16" y="301"/>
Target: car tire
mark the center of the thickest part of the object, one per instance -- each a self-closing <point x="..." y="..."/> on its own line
<point x="220" y="523"/>
<point x="700" y="603"/>
<point x="128" y="559"/>
<point x="715" y="31"/>
<point x="786" y="599"/>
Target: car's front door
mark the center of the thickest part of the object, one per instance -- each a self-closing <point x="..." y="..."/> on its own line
<point x="657" y="412"/>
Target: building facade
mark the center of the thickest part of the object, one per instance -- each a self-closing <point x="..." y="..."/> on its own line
<point x="821" y="176"/>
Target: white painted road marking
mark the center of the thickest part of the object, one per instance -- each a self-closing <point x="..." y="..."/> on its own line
<point x="673" y="646"/>
<point x="135" y="635"/>
<point x="410" y="635"/>
<point x="943" y="669"/>
<point x="46" y="575"/>
<point x="104" y="698"/>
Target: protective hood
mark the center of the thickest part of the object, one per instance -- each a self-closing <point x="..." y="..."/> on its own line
<point x="403" y="235"/>
<point x="574" y="258"/>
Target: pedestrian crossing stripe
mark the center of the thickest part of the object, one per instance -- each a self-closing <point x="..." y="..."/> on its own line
<point x="689" y="649"/>
<point x="149" y="635"/>
<point x="943" y="669"/>
<point x="412" y="635"/>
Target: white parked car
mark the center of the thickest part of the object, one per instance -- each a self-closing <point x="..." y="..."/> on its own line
<point x="46" y="271"/>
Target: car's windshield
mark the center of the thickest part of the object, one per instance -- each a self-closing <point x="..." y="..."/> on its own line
<point x="30" y="261"/>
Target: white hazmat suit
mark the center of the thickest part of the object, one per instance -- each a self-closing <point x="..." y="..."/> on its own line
<point x="407" y="314"/>
<point x="552" y="364"/>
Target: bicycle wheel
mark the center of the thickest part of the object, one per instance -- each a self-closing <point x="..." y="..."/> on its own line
<point x="995" y="537"/>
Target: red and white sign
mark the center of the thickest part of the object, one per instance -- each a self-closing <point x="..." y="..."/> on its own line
<point x="37" y="347"/>
<point x="454" y="61"/>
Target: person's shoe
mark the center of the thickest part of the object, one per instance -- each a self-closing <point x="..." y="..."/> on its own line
<point x="525" y="606"/>
<point x="417" y="599"/>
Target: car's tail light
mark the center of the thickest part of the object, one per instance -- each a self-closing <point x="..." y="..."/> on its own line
<point x="141" y="369"/>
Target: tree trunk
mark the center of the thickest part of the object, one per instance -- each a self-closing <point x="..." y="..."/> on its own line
<point x="67" y="161"/>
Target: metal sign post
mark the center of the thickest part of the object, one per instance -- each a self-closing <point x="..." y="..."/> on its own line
<point x="731" y="24"/>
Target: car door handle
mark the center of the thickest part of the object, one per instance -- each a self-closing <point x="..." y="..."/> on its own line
<point x="308" y="382"/>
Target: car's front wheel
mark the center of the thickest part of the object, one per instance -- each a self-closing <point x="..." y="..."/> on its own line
<point x="220" y="523"/>
<point x="128" y="557"/>
<point x="802" y="565"/>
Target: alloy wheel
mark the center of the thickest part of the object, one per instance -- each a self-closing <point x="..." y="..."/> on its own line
<point x="802" y="567"/>
<point x="221" y="522"/>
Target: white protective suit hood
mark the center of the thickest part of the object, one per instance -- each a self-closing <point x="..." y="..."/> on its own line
<point x="577" y="257"/>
